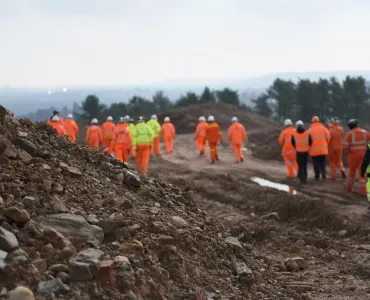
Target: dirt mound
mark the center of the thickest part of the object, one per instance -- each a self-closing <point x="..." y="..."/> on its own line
<point x="263" y="133"/>
<point x="77" y="223"/>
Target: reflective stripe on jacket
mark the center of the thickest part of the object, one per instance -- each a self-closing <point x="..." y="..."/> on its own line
<point x="336" y="137"/>
<point x="213" y="133"/>
<point x="133" y="132"/>
<point x="302" y="143"/>
<point x="285" y="141"/>
<point x="237" y="133"/>
<point x="93" y="133"/>
<point x="108" y="130"/>
<point x="168" y="130"/>
<point x="144" y="135"/>
<point x="356" y="141"/>
<point x="155" y="126"/>
<point x="201" y="129"/>
<point x="320" y="139"/>
<point x="122" y="135"/>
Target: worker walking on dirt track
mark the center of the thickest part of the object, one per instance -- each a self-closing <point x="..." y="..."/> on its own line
<point x="213" y="136"/>
<point x="365" y="168"/>
<point x="94" y="135"/>
<point x="288" y="151"/>
<point x="156" y="129"/>
<point x="200" y="135"/>
<point x="71" y="128"/>
<point x="319" y="149"/>
<point x="122" y="140"/>
<point x="336" y="149"/>
<point x="168" y="132"/>
<point x="237" y="135"/>
<point x="132" y="128"/>
<point x="55" y="122"/>
<point x="355" y="146"/>
<point x="301" y="141"/>
<point x="144" y="140"/>
<point x="108" y="132"/>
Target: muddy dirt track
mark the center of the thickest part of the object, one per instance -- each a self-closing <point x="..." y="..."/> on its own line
<point x="324" y="224"/>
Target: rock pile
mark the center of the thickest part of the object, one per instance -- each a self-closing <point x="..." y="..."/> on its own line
<point x="76" y="224"/>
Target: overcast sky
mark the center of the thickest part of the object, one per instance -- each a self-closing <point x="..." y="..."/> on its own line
<point x="99" y="42"/>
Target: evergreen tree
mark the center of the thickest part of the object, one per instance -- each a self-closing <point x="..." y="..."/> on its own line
<point x="228" y="96"/>
<point x="207" y="96"/>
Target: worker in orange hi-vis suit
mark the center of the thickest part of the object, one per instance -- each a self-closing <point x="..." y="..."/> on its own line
<point x="122" y="140"/>
<point x="213" y="136"/>
<point x="56" y="113"/>
<point x="71" y="127"/>
<point x="336" y="148"/>
<point x="355" y="145"/>
<point x="107" y="132"/>
<point x="237" y="135"/>
<point x="200" y="135"/>
<point x="288" y="150"/>
<point x="168" y="132"/>
<point x="55" y="122"/>
<point x="94" y="135"/>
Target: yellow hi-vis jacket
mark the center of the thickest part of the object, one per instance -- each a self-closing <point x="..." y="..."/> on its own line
<point x="155" y="126"/>
<point x="133" y="131"/>
<point x="144" y="134"/>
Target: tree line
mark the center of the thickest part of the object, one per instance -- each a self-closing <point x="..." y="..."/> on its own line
<point x="325" y="98"/>
<point x="91" y="107"/>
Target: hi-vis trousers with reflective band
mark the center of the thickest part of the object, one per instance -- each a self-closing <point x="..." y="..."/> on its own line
<point x="168" y="143"/>
<point x="291" y="164"/>
<point x="156" y="148"/>
<point x="213" y="150"/>
<point x="354" y="165"/>
<point x="238" y="153"/>
<point x="142" y="158"/>
<point x="93" y="144"/>
<point x="121" y="152"/>
<point x="335" y="161"/>
<point x="201" y="145"/>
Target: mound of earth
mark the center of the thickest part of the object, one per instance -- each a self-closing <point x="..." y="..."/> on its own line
<point x="76" y="224"/>
<point x="263" y="133"/>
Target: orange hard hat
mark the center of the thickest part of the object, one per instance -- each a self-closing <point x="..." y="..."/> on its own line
<point x="315" y="119"/>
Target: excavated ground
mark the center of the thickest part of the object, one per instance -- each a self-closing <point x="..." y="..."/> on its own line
<point x="324" y="224"/>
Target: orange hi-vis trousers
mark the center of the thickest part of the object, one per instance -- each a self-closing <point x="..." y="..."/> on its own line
<point x="201" y="145"/>
<point x="354" y="165"/>
<point x="156" y="148"/>
<point x="132" y="153"/>
<point x="168" y="142"/>
<point x="238" y="153"/>
<point x="335" y="161"/>
<point x="107" y="143"/>
<point x="213" y="150"/>
<point x="142" y="158"/>
<point x="291" y="164"/>
<point x="94" y="145"/>
<point x="121" y="152"/>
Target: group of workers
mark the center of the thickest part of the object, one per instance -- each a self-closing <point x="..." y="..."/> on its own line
<point x="320" y="142"/>
<point x="68" y="127"/>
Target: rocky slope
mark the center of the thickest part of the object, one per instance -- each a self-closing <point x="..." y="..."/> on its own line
<point x="78" y="225"/>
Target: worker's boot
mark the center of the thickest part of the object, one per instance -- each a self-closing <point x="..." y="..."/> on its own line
<point x="323" y="176"/>
<point x="217" y="158"/>
<point x="343" y="175"/>
<point x="201" y="153"/>
<point x="241" y="159"/>
<point x="212" y="162"/>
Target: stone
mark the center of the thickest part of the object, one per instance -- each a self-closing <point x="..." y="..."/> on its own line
<point x="273" y="215"/>
<point x="92" y="219"/>
<point x="121" y="177"/>
<point x="40" y="264"/>
<point x="30" y="201"/>
<point x="47" y="185"/>
<point x="301" y="262"/>
<point x="131" y="179"/>
<point x="343" y="232"/>
<point x="333" y="252"/>
<point x="9" y="150"/>
<point x="52" y="286"/>
<point x="3" y="292"/>
<point x="20" y="260"/>
<point x="58" y="268"/>
<point x="127" y="204"/>
<point x="64" y="277"/>
<point x="57" y="188"/>
<point x="25" y="145"/>
<point x="110" y="227"/>
<point x="232" y="241"/>
<point x="57" y="204"/>
<point x="244" y="274"/>
<point x="63" y="166"/>
<point x="74" y="227"/>
<point x="19" y="252"/>
<point x="24" y="156"/>
<point x="291" y="265"/>
<point x="21" y="293"/>
<point x="17" y="214"/>
<point x="179" y="222"/>
<point x="300" y="243"/>
<point x="8" y="241"/>
<point x="55" y="238"/>
<point x="67" y="252"/>
<point x="46" y="167"/>
<point x="1" y="202"/>
<point x="85" y="265"/>
<point x="3" y="256"/>
<point x="22" y="134"/>
<point x="74" y="172"/>
<point x="106" y="272"/>
<point x="122" y="261"/>
<point x="2" y="147"/>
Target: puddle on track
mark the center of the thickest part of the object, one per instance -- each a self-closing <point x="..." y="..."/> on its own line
<point x="274" y="185"/>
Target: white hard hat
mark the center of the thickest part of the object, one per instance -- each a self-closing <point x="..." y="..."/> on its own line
<point x="55" y="118"/>
<point x="94" y="121"/>
<point x="127" y="118"/>
<point x="122" y="119"/>
<point x="202" y="118"/>
<point x="110" y="118"/>
<point x="166" y="119"/>
<point x="140" y="119"/>
<point x="211" y="119"/>
<point x="154" y="117"/>
<point x="70" y="116"/>
<point x="288" y="122"/>
<point x="234" y="119"/>
<point x="299" y="123"/>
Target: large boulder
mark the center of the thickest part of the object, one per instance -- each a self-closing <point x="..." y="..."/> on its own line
<point x="73" y="227"/>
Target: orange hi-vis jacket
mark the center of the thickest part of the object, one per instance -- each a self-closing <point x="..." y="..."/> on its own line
<point x="237" y="133"/>
<point x="356" y="141"/>
<point x="168" y="130"/>
<point x="108" y="130"/>
<point x="71" y="128"/>
<point x="201" y="129"/>
<point x="213" y="133"/>
<point x="302" y="141"/>
<point x="320" y="139"/>
<point x="59" y="128"/>
<point x="336" y="137"/>
<point x="61" y="122"/>
<point x="285" y="141"/>
<point x="94" y="134"/>
<point x="122" y="136"/>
